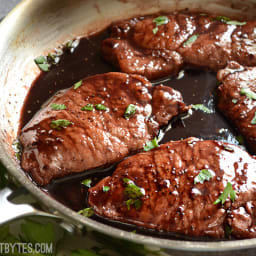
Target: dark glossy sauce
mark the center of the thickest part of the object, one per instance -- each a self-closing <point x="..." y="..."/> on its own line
<point x="197" y="87"/>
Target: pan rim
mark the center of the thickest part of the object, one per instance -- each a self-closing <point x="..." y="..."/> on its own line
<point x="54" y="205"/>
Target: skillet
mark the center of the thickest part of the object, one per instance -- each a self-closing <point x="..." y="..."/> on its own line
<point x="34" y="28"/>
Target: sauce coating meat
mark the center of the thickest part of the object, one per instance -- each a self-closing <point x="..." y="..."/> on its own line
<point x="107" y="117"/>
<point x="161" y="189"/>
<point x="143" y="46"/>
<point x="237" y="99"/>
<point x="92" y="127"/>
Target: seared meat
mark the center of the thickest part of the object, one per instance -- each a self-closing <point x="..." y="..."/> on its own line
<point x="243" y="44"/>
<point x="236" y="99"/>
<point x="157" y="189"/>
<point x="92" y="138"/>
<point x="139" y="46"/>
<point x="151" y="64"/>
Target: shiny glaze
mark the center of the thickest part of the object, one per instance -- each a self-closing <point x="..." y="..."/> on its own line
<point x="96" y="137"/>
<point x="134" y="47"/>
<point x="196" y="87"/>
<point x="238" y="108"/>
<point x="171" y="201"/>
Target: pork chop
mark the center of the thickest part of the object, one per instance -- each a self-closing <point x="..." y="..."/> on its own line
<point x="237" y="99"/>
<point x="156" y="46"/>
<point x="183" y="186"/>
<point x="99" y="121"/>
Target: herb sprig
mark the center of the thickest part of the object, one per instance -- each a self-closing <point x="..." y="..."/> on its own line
<point x="87" y="182"/>
<point x="59" y="124"/>
<point x="134" y="194"/>
<point x="202" y="108"/>
<point x="191" y="40"/>
<point x="101" y="107"/>
<point x="106" y="188"/>
<point x="56" y="106"/>
<point x="229" y="21"/>
<point x="228" y="192"/>
<point x="42" y="63"/>
<point x="203" y="176"/>
<point x="161" y="20"/>
<point x="151" y="144"/>
<point x="78" y="84"/>
<point x="248" y="93"/>
<point x="130" y="111"/>
<point x="88" y="107"/>
<point x="87" y="212"/>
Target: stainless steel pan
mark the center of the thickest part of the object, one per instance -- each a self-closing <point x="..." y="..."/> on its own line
<point x="36" y="27"/>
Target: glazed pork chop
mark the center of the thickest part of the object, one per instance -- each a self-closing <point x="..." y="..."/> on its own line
<point x="192" y="187"/>
<point x="158" y="46"/>
<point x="237" y="99"/>
<point x="99" y="121"/>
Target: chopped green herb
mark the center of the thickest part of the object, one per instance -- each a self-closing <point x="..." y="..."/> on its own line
<point x="59" y="124"/>
<point x="248" y="93"/>
<point x="131" y="189"/>
<point x="191" y="40"/>
<point x="78" y="84"/>
<point x="101" y="107"/>
<point x="40" y="60"/>
<point x="133" y="202"/>
<point x="228" y="192"/>
<point x="151" y="144"/>
<point x="88" y="107"/>
<point x="87" y="182"/>
<point x="234" y="101"/>
<point x="161" y="20"/>
<point x="240" y="139"/>
<point x="44" y="67"/>
<point x="56" y="106"/>
<point x="254" y="119"/>
<point x="155" y="30"/>
<point x="236" y="23"/>
<point x="106" y="188"/>
<point x="130" y="111"/>
<point x="202" y="108"/>
<point x="229" y="21"/>
<point x="222" y="19"/>
<point x="202" y="176"/>
<point x="134" y="193"/>
<point x="227" y="148"/>
<point x="42" y="63"/>
<point x="87" y="212"/>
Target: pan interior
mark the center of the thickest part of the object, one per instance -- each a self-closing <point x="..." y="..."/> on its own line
<point x="37" y="27"/>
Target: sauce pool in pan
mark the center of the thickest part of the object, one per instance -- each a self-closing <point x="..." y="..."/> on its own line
<point x="197" y="87"/>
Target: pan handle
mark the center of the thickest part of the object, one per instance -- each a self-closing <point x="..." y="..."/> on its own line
<point x="11" y="211"/>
